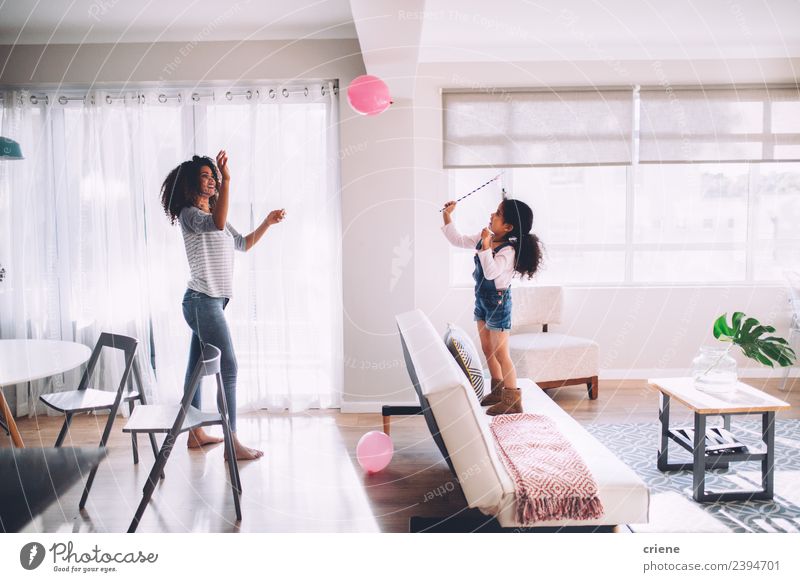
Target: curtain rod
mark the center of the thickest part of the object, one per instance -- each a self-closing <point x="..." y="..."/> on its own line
<point x="140" y="94"/>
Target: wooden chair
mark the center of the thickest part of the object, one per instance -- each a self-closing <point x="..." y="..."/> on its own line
<point x="174" y="419"/>
<point x="86" y="399"/>
<point x="550" y="359"/>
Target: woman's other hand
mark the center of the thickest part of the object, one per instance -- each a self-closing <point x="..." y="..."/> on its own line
<point x="276" y="216"/>
<point x="222" y="164"/>
<point x="449" y="207"/>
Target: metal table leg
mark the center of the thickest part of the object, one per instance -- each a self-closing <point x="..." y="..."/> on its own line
<point x="726" y="424"/>
<point x="663" y="447"/>
<point x="768" y="463"/>
<point x="699" y="453"/>
<point x="663" y="417"/>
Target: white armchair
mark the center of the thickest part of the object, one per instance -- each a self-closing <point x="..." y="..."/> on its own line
<point x="550" y="359"/>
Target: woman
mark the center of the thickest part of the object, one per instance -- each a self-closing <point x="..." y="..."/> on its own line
<point x="195" y="195"/>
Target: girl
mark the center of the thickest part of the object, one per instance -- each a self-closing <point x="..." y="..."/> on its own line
<point x="506" y="246"/>
<point x="197" y="196"/>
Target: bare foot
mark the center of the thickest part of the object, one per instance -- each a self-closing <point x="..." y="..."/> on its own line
<point x="198" y="438"/>
<point x="244" y="453"/>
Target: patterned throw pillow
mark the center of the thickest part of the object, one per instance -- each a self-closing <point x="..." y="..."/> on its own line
<point x="467" y="357"/>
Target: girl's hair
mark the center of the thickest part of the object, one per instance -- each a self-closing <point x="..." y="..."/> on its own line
<point x="527" y="245"/>
<point x="182" y="185"/>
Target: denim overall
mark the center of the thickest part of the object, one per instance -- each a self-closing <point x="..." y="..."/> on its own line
<point x="491" y="305"/>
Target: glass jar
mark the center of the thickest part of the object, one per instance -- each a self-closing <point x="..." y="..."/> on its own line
<point x="714" y="369"/>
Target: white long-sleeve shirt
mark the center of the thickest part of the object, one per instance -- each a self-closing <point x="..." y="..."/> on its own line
<point x="498" y="267"/>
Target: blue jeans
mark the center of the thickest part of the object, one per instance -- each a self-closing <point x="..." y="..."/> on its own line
<point x="205" y="316"/>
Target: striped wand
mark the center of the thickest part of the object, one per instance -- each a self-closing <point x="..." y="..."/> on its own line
<point x="478" y="188"/>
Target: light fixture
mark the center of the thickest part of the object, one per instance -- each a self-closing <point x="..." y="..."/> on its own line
<point x="10" y="150"/>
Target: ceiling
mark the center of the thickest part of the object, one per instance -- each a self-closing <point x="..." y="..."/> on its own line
<point x="409" y="32"/>
<point x="522" y="30"/>
<point x="104" y="21"/>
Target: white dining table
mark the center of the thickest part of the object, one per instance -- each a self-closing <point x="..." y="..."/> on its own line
<point x="25" y="360"/>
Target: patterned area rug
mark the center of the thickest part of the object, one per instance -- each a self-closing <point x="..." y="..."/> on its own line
<point x="672" y="508"/>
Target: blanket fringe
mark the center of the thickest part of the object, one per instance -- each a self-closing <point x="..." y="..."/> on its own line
<point x="532" y="510"/>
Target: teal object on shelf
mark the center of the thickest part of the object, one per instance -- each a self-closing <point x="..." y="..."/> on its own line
<point x="10" y="150"/>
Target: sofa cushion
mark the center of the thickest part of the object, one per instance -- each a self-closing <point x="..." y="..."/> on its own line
<point x="466" y="356"/>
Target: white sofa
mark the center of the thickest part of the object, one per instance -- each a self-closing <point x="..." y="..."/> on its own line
<point x="460" y="428"/>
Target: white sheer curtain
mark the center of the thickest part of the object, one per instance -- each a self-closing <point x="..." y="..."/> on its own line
<point x="87" y="247"/>
<point x="29" y="301"/>
<point x="286" y="315"/>
<point x="76" y="226"/>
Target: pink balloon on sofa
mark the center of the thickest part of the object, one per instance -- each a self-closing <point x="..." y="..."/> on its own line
<point x="368" y="95"/>
<point x="374" y="451"/>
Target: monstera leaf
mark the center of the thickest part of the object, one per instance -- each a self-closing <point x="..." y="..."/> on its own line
<point x="748" y="334"/>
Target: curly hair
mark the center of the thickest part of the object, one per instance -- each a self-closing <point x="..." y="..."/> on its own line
<point x="181" y="186"/>
<point x="527" y="245"/>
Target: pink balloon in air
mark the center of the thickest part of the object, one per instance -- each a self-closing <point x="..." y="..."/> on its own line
<point x="368" y="95"/>
<point x="374" y="451"/>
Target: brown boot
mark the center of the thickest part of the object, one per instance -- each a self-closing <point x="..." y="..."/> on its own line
<point x="510" y="403"/>
<point x="495" y="395"/>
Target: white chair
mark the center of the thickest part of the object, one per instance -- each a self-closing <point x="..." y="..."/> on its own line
<point x="86" y="399"/>
<point x="174" y="419"/>
<point x="794" y="329"/>
<point x="550" y="359"/>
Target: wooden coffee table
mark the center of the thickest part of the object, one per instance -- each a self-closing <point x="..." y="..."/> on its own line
<point x="715" y="448"/>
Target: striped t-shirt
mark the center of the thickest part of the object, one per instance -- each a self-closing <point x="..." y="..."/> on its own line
<point x="210" y="252"/>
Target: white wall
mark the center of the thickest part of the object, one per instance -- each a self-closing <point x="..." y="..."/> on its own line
<point x="642" y="331"/>
<point x="378" y="231"/>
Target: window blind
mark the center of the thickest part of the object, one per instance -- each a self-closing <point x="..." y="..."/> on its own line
<point x="537" y="128"/>
<point x="719" y="125"/>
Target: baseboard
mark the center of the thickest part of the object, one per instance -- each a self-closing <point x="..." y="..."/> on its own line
<point x="371" y="406"/>
<point x="645" y="373"/>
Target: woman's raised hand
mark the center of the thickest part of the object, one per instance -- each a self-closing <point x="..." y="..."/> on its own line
<point x="222" y="164"/>
<point x="449" y="207"/>
<point x="276" y="216"/>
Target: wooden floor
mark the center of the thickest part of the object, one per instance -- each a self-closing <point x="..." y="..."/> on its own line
<point x="309" y="480"/>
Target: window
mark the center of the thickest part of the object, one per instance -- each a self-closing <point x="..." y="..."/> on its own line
<point x="710" y="193"/>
